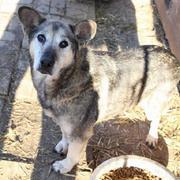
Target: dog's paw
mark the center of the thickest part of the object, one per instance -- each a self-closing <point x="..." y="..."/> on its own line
<point x="61" y="147"/>
<point x="151" y="141"/>
<point x="63" y="166"/>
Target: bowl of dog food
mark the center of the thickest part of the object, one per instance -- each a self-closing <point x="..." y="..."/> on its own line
<point x="131" y="167"/>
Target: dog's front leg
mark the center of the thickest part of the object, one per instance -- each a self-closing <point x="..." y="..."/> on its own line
<point x="73" y="156"/>
<point x="62" y="145"/>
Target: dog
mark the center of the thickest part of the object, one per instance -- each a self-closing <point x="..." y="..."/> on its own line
<point x="77" y="86"/>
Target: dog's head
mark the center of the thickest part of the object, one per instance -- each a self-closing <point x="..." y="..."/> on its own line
<point x="53" y="44"/>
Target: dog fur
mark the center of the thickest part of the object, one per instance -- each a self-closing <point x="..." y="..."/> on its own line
<point x="77" y="86"/>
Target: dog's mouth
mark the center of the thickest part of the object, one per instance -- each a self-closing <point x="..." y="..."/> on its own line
<point x="45" y="71"/>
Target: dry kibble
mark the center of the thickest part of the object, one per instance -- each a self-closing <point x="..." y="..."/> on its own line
<point x="129" y="173"/>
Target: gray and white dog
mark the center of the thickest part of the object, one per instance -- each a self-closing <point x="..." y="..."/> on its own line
<point x="77" y="86"/>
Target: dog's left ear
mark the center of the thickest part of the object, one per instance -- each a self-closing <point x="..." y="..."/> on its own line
<point x="85" y="30"/>
<point x="30" y="18"/>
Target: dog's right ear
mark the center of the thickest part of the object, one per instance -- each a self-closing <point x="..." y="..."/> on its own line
<point x="30" y="18"/>
<point x="85" y="31"/>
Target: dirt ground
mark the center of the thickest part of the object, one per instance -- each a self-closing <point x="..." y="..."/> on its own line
<point x="28" y="137"/>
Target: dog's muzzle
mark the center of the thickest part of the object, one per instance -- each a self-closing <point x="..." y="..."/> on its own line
<point x="47" y="62"/>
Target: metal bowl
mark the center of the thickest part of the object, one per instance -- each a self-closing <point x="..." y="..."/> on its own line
<point x="132" y="161"/>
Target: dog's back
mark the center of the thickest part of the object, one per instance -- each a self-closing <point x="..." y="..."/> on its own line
<point x="132" y="76"/>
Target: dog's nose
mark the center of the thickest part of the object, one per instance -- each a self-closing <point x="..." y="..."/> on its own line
<point x="46" y="65"/>
<point x="47" y="61"/>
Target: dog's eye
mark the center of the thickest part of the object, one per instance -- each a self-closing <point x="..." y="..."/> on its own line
<point x="63" y="44"/>
<point x="41" y="38"/>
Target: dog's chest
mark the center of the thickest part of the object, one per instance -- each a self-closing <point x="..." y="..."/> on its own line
<point x="57" y="110"/>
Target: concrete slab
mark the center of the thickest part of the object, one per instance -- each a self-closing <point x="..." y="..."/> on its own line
<point x="80" y="10"/>
<point x="25" y="2"/>
<point x="1" y="104"/>
<point x="8" y="58"/>
<point x="14" y="46"/>
<point x="14" y="25"/>
<point x="7" y="36"/>
<point x="58" y="7"/>
<point x="42" y="6"/>
<point x="5" y="75"/>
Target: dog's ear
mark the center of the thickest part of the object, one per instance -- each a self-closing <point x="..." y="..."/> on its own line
<point x="85" y="30"/>
<point x="30" y="18"/>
